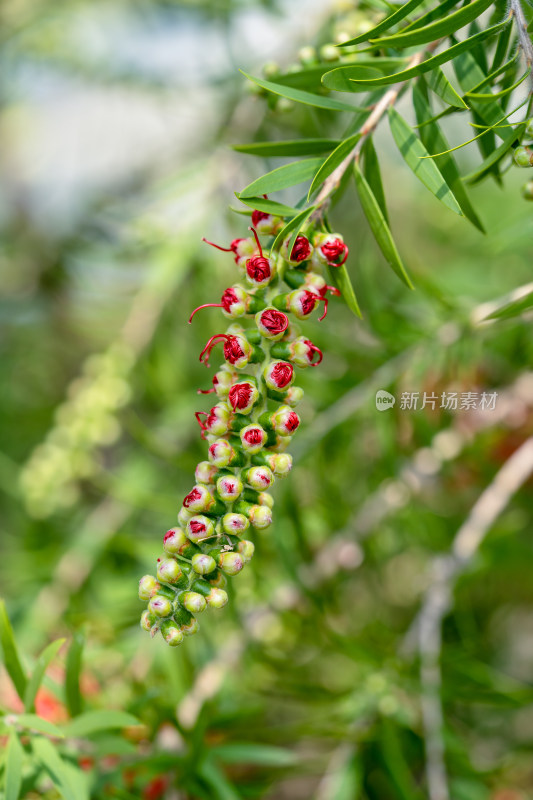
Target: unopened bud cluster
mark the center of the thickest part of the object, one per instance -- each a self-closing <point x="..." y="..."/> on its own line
<point x="250" y="427"/>
<point x="523" y="157"/>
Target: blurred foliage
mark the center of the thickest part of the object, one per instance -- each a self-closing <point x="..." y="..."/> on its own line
<point x="303" y="687"/>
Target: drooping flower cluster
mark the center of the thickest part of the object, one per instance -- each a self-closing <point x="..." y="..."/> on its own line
<point x="248" y="429"/>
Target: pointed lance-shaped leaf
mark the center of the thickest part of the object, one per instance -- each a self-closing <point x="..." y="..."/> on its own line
<point x="469" y="74"/>
<point x="340" y="278"/>
<point x="435" y="142"/>
<point x="439" y="83"/>
<point x="12" y="661"/>
<point x="387" y="23"/>
<point x="14" y="761"/>
<point x="283" y="177"/>
<point x="269" y="206"/>
<point x="293" y="227"/>
<point x="331" y="79"/>
<point x="514" y="308"/>
<point x="379" y="227"/>
<point x="38" y="673"/>
<point x="415" y="156"/>
<point x="435" y="13"/>
<point x="496" y="156"/>
<point x="73" y="697"/>
<point x="296" y="147"/>
<point x="299" y="96"/>
<point x="438" y="29"/>
<point x="372" y="173"/>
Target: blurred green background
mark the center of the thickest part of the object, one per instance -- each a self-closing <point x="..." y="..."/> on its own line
<point x="115" y="132"/>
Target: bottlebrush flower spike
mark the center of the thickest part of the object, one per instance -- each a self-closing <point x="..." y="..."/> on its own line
<point x="247" y="431"/>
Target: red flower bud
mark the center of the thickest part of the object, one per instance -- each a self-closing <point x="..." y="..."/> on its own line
<point x="302" y="250"/>
<point x="253" y="437"/>
<point x="259" y="269"/>
<point x="242" y="397"/>
<point x="237" y="350"/>
<point x="303" y="351"/>
<point x="278" y="375"/>
<point x="272" y="323"/>
<point x="266" y="224"/>
<point x="330" y="249"/>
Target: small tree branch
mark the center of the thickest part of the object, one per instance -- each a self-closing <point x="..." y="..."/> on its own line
<point x="524" y="39"/>
<point x="427" y="628"/>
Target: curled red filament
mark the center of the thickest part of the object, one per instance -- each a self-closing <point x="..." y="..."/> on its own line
<point x="312" y="350"/>
<point x="200" y="422"/>
<point x="206" y="305"/>
<point x="332" y="289"/>
<point x="214" y="340"/>
<point x="218" y="247"/>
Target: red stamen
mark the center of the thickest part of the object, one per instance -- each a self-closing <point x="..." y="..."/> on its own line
<point x="205" y="391"/>
<point x="325" y="299"/>
<point x="206" y="352"/>
<point x="312" y="350"/>
<point x="332" y="289"/>
<point x="205" y="305"/>
<point x="257" y="240"/>
<point x="218" y="247"/>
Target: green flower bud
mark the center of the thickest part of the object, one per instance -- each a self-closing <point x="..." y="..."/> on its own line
<point x="148" y="620"/>
<point x="148" y="586"/>
<point x="259" y="478"/>
<point x="328" y="52"/>
<point x="200" y="500"/>
<point x="527" y="190"/>
<point x="192" y="601"/>
<point x="523" y="156"/>
<point x="246" y="549"/>
<point x="160" y="606"/>
<point x="235" y="524"/>
<point x="223" y="454"/>
<point x="260" y="516"/>
<point x="200" y="528"/>
<point x="184" y="516"/>
<point x="203" y="564"/>
<point x="205" y="472"/>
<point x="293" y="396"/>
<point x="265" y="499"/>
<point x="176" y="543"/>
<point x="217" y="598"/>
<point x="229" y="562"/>
<point x="171" y="633"/>
<point x="253" y="437"/>
<point x="169" y="571"/>
<point x="307" y="55"/>
<point x="229" y="487"/>
<point x="191" y="628"/>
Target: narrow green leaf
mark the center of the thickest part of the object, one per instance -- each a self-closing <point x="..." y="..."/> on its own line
<point x="502" y="47"/>
<point x="347" y="782"/>
<point x="514" y="308"/>
<point x="425" y="169"/>
<point x="490" y="97"/>
<point x="299" y="96"/>
<point x="333" y="161"/>
<point x="270" y="206"/>
<point x="249" y="753"/>
<point x="38" y="673"/>
<point x="283" y="177"/>
<point x="496" y="156"/>
<point x="333" y="78"/>
<point x="95" y="721"/>
<point x="435" y="30"/>
<point x="435" y="13"/>
<point x="387" y="23"/>
<point x="372" y="173"/>
<point x="35" y="723"/>
<point x="470" y="74"/>
<point x="48" y="756"/>
<point x="340" y="278"/>
<point x="221" y="788"/>
<point x="439" y="83"/>
<point x="73" y="697"/>
<point x="379" y="227"/>
<point x="435" y="141"/>
<point x="13" y="768"/>
<point x="311" y="78"/>
<point x="297" y="147"/>
<point x="11" y="657"/>
<point x="293" y="227"/>
<point x="489" y="79"/>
